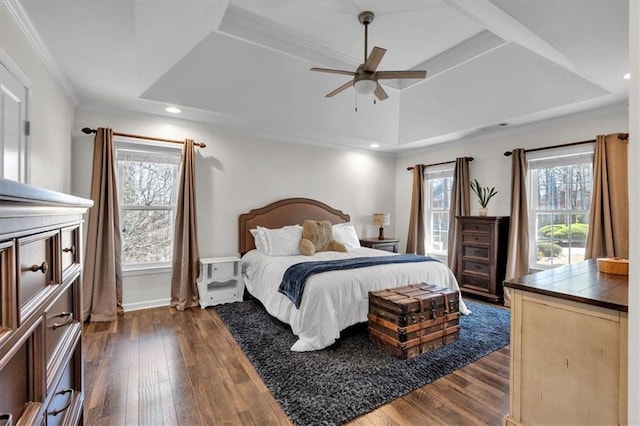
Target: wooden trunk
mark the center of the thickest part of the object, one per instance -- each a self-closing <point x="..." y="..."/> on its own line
<point x="409" y="321"/>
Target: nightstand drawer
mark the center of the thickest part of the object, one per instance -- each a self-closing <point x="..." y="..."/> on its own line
<point x="222" y="291"/>
<point x="222" y="270"/>
<point x="481" y="252"/>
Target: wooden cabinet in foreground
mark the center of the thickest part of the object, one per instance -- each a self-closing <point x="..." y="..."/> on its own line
<point x="41" y="373"/>
<point x="568" y="347"/>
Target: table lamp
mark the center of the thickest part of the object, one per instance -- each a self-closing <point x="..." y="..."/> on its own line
<point x="381" y="220"/>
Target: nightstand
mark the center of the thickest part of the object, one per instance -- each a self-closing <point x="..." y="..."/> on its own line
<point x="388" y="244"/>
<point x="220" y="281"/>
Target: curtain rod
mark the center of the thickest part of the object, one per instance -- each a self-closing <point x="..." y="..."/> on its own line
<point x="88" y="131"/>
<point x="440" y="164"/>
<point x="621" y="136"/>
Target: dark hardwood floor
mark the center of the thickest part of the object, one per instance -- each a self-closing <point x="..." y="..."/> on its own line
<point x="160" y="366"/>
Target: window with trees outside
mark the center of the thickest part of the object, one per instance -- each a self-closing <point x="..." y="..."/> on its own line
<point x="147" y="178"/>
<point x="559" y="191"/>
<point x="438" y="181"/>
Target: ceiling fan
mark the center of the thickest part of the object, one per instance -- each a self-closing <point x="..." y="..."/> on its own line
<point x="365" y="78"/>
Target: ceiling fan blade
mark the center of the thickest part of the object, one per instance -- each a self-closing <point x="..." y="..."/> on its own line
<point x="374" y="59"/>
<point x="330" y="71"/>
<point x="385" y="75"/>
<point x="380" y="93"/>
<point x="340" y="89"/>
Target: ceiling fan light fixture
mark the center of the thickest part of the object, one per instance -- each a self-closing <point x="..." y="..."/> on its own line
<point x="365" y="87"/>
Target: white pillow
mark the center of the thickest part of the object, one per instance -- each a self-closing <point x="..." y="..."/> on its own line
<point x="260" y="240"/>
<point x="283" y="241"/>
<point x="346" y="234"/>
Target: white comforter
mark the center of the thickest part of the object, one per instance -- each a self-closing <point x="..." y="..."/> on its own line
<point x="332" y="301"/>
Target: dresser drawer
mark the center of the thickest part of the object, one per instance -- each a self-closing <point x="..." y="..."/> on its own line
<point x="475" y="282"/>
<point x="16" y="394"/>
<point x="479" y="267"/>
<point x="36" y="257"/>
<point x="59" y="316"/>
<point x="69" y="243"/>
<point x="64" y="396"/>
<point x="481" y="252"/>
<point x="479" y="227"/>
<point x="8" y="304"/>
<point x="476" y="238"/>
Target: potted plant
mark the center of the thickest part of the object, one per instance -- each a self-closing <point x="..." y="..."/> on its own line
<point x="484" y="194"/>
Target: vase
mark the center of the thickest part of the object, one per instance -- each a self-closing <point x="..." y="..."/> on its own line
<point x="483" y="211"/>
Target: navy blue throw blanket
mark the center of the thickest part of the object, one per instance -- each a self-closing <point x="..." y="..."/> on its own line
<point x="295" y="277"/>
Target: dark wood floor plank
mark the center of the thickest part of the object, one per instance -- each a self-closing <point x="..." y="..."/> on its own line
<point x="161" y="366"/>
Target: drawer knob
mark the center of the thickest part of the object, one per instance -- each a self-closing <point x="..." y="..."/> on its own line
<point x="7" y="418"/>
<point x="68" y="315"/>
<point x="42" y="268"/>
<point x="67" y="405"/>
<point x="71" y="250"/>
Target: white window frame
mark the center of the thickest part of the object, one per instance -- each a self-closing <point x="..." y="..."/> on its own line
<point x="432" y="173"/>
<point x="151" y="147"/>
<point x="549" y="158"/>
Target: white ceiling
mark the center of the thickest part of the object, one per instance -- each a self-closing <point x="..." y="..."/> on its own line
<point x="244" y="65"/>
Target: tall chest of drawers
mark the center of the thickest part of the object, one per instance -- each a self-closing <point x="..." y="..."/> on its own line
<point x="482" y="255"/>
<point x="41" y="373"/>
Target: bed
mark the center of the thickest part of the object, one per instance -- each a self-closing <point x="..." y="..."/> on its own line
<point x="331" y="301"/>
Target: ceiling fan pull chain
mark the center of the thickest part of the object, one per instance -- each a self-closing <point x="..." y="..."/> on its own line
<point x="356" y="95"/>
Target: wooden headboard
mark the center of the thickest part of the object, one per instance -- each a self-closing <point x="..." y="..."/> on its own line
<point x="289" y="211"/>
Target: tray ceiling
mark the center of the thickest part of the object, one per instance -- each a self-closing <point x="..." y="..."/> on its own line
<point x="244" y="65"/>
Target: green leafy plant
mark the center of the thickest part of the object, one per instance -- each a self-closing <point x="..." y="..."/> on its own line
<point x="548" y="249"/>
<point x="573" y="232"/>
<point x="484" y="194"/>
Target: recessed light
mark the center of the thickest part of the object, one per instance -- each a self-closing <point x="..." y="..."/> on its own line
<point x="374" y="145"/>
<point x="627" y="76"/>
<point x="173" y="110"/>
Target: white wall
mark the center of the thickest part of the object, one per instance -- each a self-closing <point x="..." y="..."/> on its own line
<point x="491" y="167"/>
<point x="51" y="111"/>
<point x="634" y="212"/>
<point x="237" y="173"/>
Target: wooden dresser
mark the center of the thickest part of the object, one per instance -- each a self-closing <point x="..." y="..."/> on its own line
<point x="569" y="330"/>
<point x="41" y="373"/>
<point x="482" y="255"/>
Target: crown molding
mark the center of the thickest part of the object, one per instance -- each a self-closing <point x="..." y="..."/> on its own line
<point x="51" y="65"/>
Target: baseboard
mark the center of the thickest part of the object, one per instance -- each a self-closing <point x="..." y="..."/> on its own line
<point x="148" y="304"/>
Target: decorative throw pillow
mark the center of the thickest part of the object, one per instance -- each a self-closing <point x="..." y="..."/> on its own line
<point x="317" y="236"/>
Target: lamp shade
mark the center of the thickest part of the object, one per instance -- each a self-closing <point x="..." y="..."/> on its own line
<point x="381" y="219"/>
<point x="365" y="87"/>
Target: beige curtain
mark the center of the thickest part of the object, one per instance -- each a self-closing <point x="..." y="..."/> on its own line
<point x="459" y="206"/>
<point x="518" y="251"/>
<point x="609" y="217"/>
<point x="416" y="237"/>
<point x="102" y="277"/>
<point x="184" y="290"/>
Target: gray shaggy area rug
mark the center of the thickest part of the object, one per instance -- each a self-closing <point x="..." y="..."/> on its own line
<point x="353" y="377"/>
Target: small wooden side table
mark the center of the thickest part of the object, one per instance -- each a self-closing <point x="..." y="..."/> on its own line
<point x="388" y="244"/>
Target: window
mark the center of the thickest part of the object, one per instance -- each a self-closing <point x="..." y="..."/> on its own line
<point x="147" y="190"/>
<point x="559" y="191"/>
<point x="438" y="182"/>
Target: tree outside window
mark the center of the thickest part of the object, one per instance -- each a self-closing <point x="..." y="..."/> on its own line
<point x="438" y="203"/>
<point x="559" y="205"/>
<point x="147" y="190"/>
